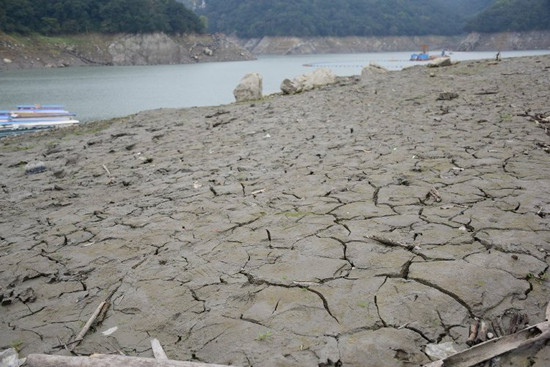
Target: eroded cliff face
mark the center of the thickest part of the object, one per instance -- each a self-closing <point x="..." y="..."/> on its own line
<point x="536" y="40"/>
<point x="19" y="52"/>
<point x="471" y="42"/>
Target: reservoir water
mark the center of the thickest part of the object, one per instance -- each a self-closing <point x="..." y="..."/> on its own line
<point x="96" y="93"/>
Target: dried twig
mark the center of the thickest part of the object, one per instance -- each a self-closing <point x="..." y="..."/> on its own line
<point x="87" y="326"/>
<point x="390" y="242"/>
<point x="107" y="170"/>
<point x="99" y="313"/>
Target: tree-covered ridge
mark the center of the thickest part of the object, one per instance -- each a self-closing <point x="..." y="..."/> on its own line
<point x="256" y="18"/>
<point x="107" y="16"/>
<point x="512" y="15"/>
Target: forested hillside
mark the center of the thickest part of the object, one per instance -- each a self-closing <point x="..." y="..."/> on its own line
<point x="256" y="18"/>
<point x="106" y="16"/>
<point x="513" y="15"/>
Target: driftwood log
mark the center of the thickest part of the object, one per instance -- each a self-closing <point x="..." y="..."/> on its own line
<point x="103" y="360"/>
<point x="496" y="347"/>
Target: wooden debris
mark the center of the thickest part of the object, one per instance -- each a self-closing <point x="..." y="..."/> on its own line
<point x="482" y="332"/>
<point x="390" y="242"/>
<point x="87" y="326"/>
<point x="434" y="193"/>
<point x="473" y="332"/>
<point x="107" y="170"/>
<point x="102" y="360"/>
<point x="158" y="352"/>
<point x="98" y="315"/>
<point x="495" y="347"/>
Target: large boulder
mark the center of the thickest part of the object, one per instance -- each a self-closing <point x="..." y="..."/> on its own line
<point x="250" y="88"/>
<point x="305" y="82"/>
<point x="439" y="62"/>
<point x="372" y="69"/>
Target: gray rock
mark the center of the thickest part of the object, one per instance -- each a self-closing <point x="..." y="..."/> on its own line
<point x="372" y="69"/>
<point x="35" y="167"/>
<point x="440" y="62"/>
<point x="305" y="82"/>
<point x="250" y="88"/>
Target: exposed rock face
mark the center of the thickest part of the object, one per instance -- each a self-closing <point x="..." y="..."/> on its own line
<point x="312" y="45"/>
<point x="146" y="49"/>
<point x="505" y="41"/>
<point x="125" y="49"/>
<point x="472" y="42"/>
<point x="305" y="82"/>
<point x="250" y="88"/>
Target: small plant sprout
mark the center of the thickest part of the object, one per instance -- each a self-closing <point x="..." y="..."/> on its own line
<point x="264" y="336"/>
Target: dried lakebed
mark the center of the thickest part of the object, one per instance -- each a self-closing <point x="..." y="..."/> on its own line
<point x="351" y="225"/>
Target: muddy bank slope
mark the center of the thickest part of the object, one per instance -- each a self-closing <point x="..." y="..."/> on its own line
<point x="351" y="225"/>
<point x="35" y="51"/>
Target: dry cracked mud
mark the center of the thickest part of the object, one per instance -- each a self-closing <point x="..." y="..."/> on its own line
<point x="349" y="226"/>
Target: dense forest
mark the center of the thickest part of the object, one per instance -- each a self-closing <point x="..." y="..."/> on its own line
<point x="107" y="16"/>
<point x="254" y="18"/>
<point x="257" y="18"/>
<point x="512" y="15"/>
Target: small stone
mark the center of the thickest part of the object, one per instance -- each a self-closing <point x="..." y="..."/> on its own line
<point x="515" y="257"/>
<point x="27" y="296"/>
<point x="35" y="167"/>
<point x="447" y="96"/>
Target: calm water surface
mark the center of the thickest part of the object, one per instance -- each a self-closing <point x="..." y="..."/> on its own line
<point x="96" y="93"/>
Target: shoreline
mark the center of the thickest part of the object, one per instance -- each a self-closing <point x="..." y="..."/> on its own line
<point x="250" y="234"/>
<point x="22" y="52"/>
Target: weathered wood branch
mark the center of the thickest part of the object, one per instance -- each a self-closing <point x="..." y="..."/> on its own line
<point x="495" y="347"/>
<point x="87" y="326"/>
<point x="158" y="352"/>
<point x="99" y="312"/>
<point x="102" y="360"/>
<point x="390" y="242"/>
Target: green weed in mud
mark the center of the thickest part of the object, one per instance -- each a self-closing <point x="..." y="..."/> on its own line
<point x="9" y="147"/>
<point x="16" y="344"/>
<point x="295" y="214"/>
<point x="264" y="336"/>
<point x="506" y="116"/>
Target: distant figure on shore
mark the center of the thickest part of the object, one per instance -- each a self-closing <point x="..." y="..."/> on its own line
<point x="497" y="58"/>
<point x="443" y="53"/>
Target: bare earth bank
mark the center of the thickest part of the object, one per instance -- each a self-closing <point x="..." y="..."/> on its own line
<point x="267" y="233"/>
